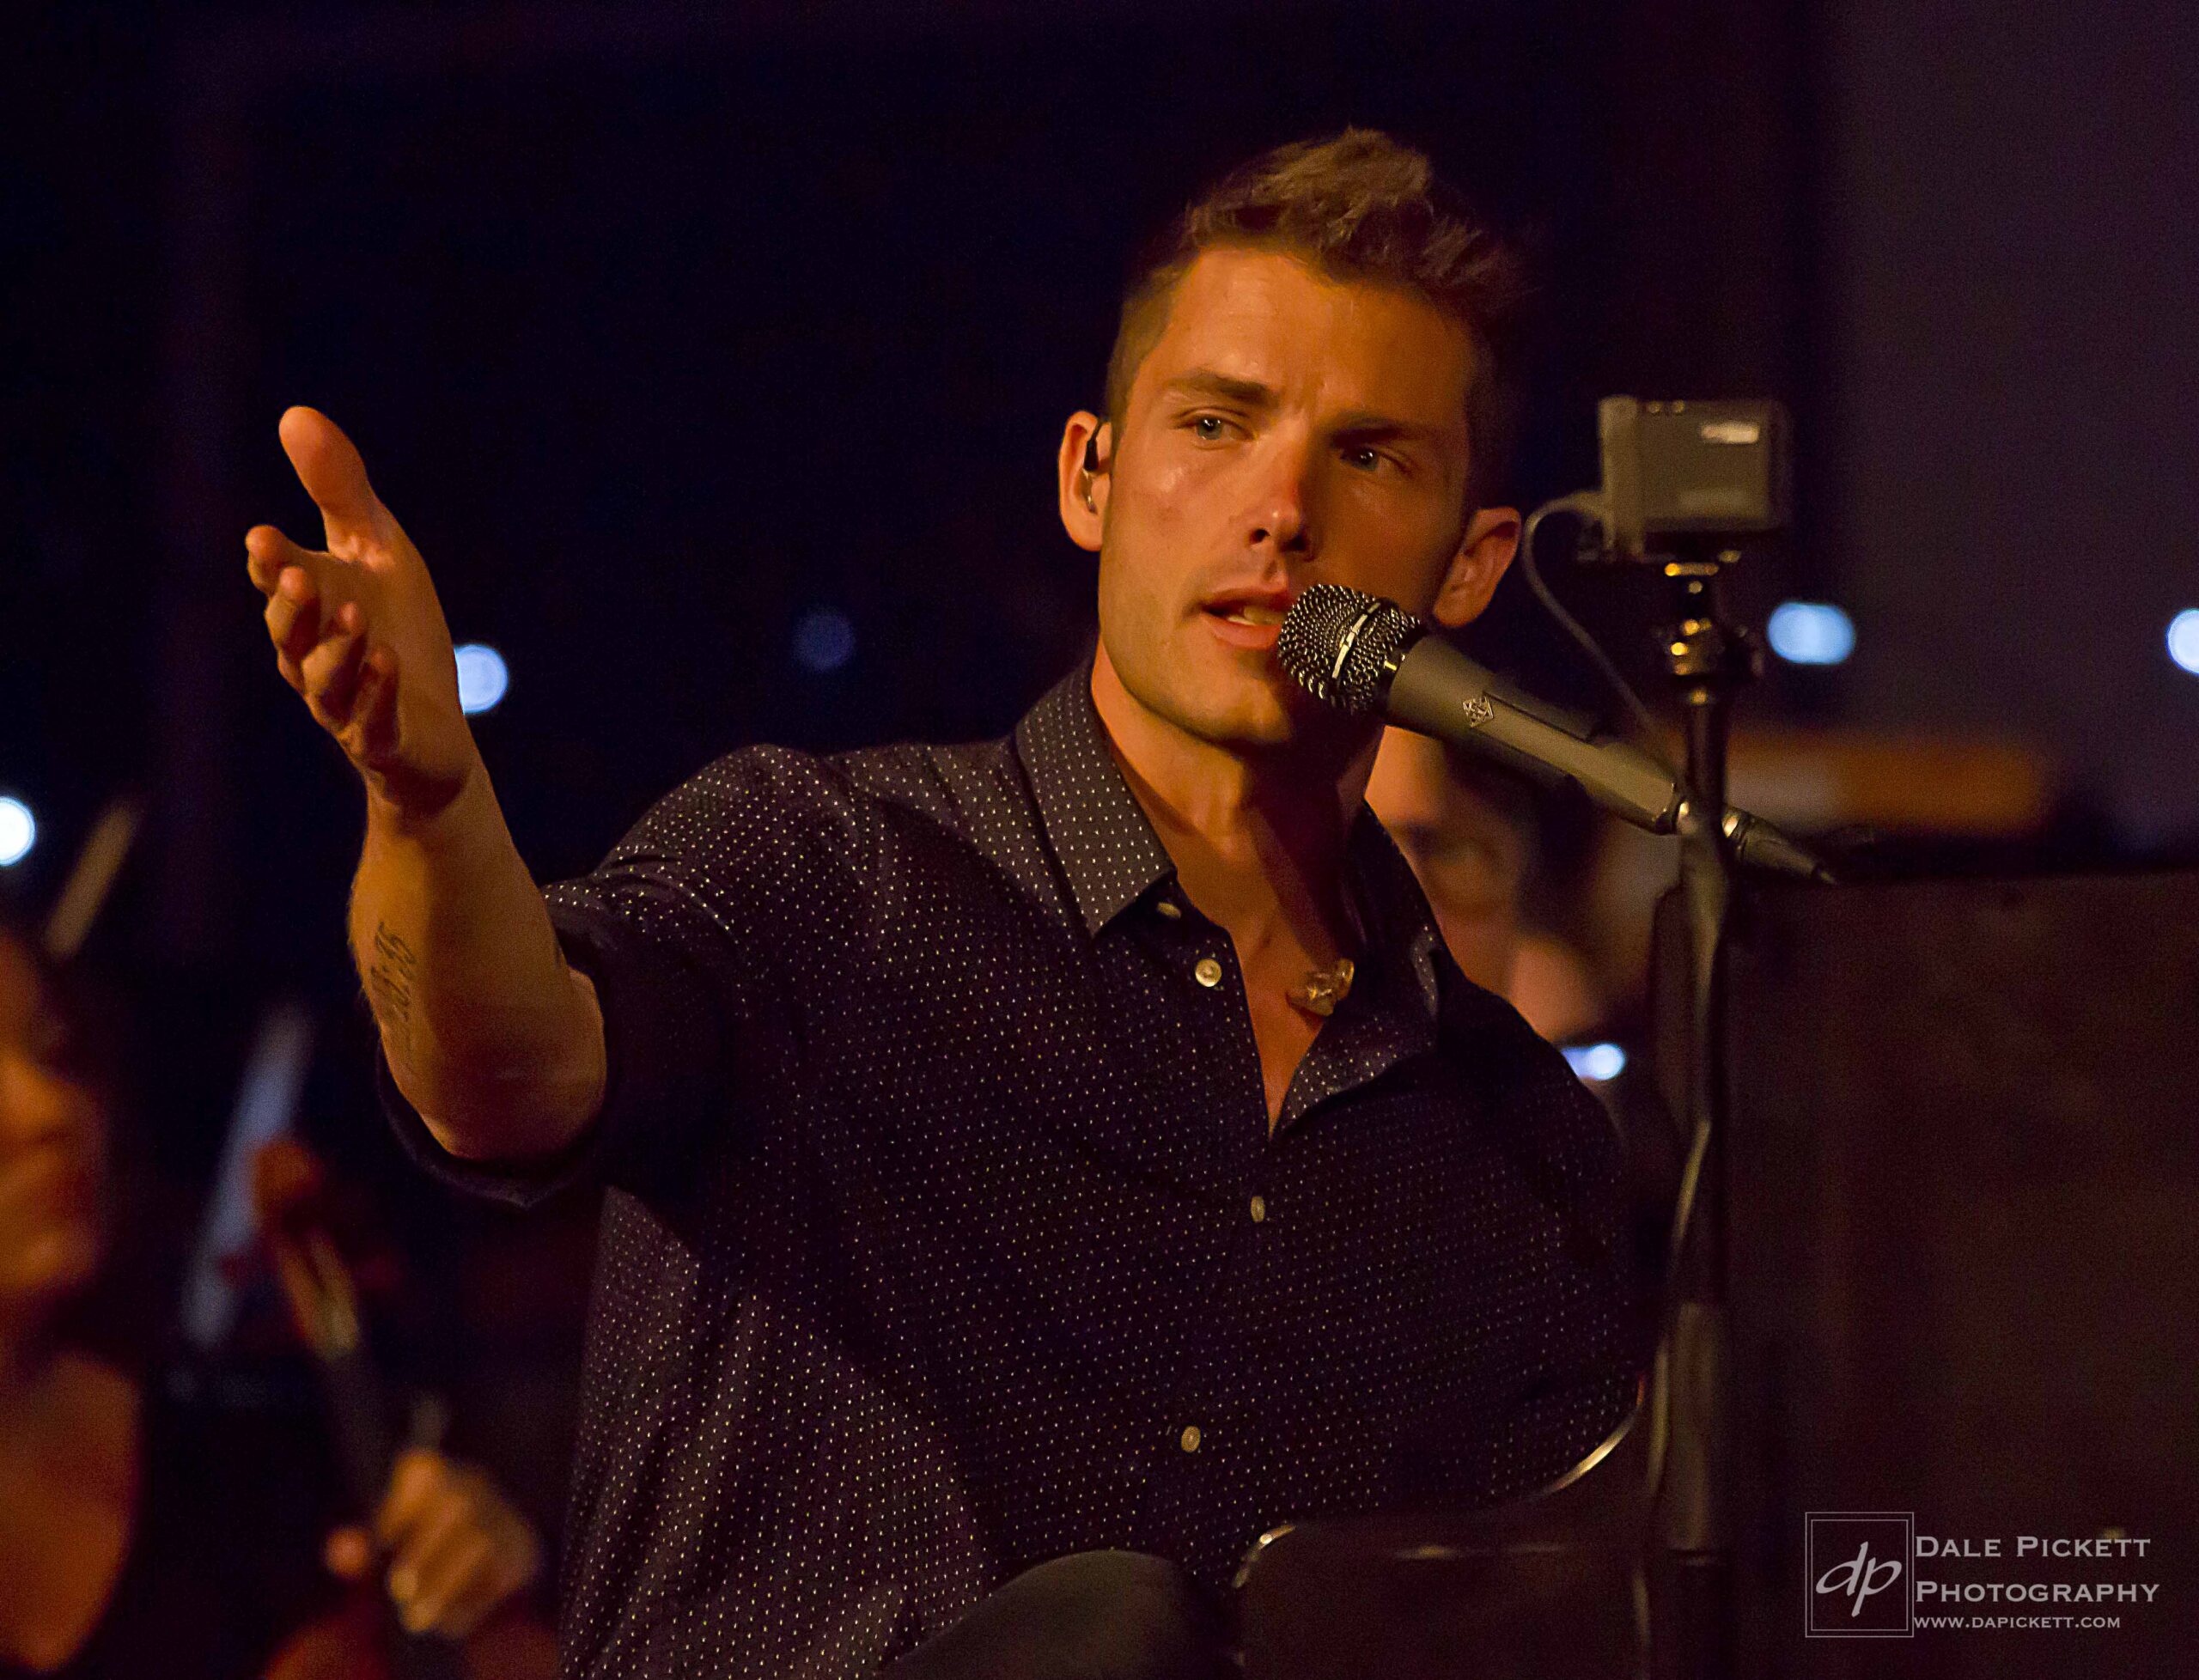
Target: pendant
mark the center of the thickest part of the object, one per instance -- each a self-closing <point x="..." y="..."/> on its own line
<point x="1322" y="988"/>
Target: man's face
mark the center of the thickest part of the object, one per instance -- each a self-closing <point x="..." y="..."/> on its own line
<point x="1284" y="429"/>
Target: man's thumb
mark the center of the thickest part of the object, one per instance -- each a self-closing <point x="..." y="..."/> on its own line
<point x="330" y="468"/>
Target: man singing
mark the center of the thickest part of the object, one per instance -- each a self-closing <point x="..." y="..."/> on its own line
<point x="1036" y="1167"/>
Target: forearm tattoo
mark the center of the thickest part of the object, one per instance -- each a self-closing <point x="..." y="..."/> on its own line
<point x="391" y="978"/>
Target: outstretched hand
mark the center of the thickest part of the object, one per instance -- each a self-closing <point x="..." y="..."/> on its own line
<point x="358" y="631"/>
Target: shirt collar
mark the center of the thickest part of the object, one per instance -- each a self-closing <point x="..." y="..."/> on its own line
<point x="1112" y="858"/>
<point x="1397" y="929"/>
<point x="1108" y="850"/>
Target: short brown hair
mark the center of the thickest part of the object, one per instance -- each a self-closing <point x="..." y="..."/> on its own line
<point x="1361" y="206"/>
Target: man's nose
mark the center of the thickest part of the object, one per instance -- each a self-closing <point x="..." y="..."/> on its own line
<point x="1281" y="514"/>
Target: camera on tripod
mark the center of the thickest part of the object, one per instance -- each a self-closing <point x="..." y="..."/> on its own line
<point x="1690" y="475"/>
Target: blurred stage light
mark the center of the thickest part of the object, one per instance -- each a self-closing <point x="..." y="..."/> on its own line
<point x="18" y="831"/>
<point x="482" y="677"/>
<point x="1598" y="1062"/>
<point x="2184" y="639"/>
<point x="824" y="640"/>
<point x="1810" y="633"/>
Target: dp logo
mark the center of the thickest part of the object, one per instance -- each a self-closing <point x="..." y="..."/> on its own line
<point x="1860" y="1584"/>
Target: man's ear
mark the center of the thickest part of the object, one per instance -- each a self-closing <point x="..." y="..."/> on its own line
<point x="1083" y="491"/>
<point x="1492" y="536"/>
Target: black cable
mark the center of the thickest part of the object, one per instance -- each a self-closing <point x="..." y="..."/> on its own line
<point x="1589" y="508"/>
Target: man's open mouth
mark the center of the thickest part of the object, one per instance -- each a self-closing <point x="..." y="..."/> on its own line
<point x="1246" y="613"/>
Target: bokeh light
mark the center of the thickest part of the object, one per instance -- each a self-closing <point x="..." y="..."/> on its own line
<point x="482" y="678"/>
<point x="824" y="640"/>
<point x="18" y="831"/>
<point x="1596" y="1062"/>
<point x="1810" y="633"/>
<point x="2184" y="639"/>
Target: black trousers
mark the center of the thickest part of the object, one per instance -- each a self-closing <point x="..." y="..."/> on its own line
<point x="1092" y="1616"/>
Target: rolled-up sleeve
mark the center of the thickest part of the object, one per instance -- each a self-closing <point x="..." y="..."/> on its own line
<point x="672" y="930"/>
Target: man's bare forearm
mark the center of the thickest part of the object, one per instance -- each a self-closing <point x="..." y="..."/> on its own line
<point x="491" y="1037"/>
<point x="496" y="1042"/>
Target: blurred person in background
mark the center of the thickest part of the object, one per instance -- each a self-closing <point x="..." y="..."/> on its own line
<point x="1473" y="833"/>
<point x="143" y="1535"/>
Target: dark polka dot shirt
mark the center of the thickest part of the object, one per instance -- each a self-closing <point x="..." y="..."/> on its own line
<point x="945" y="1232"/>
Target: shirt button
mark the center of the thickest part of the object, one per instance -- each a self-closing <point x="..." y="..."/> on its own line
<point x="1169" y="908"/>
<point x="1189" y="1440"/>
<point x="1208" y="973"/>
<point x="1259" y="1208"/>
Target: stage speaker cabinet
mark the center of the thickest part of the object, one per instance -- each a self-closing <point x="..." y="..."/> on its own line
<point x="1964" y="1159"/>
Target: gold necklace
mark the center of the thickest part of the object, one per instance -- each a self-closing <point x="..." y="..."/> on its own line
<point x="1322" y="988"/>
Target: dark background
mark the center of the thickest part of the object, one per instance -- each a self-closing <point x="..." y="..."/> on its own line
<point x="661" y="327"/>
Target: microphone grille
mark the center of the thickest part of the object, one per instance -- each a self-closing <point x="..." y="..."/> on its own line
<point x="1338" y="643"/>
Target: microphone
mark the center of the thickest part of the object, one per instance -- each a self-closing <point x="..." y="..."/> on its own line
<point x="1363" y="654"/>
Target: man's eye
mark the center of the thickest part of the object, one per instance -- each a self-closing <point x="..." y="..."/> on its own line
<point x="1366" y="460"/>
<point x="1209" y="427"/>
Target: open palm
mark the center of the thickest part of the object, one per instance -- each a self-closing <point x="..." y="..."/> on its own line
<point x="358" y="631"/>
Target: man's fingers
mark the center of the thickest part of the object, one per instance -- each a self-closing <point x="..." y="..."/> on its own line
<point x="292" y="613"/>
<point x="331" y="670"/>
<point x="266" y="551"/>
<point x="330" y="468"/>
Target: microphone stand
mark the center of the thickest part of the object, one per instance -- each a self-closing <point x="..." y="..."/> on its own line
<point x="1691" y="1563"/>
